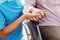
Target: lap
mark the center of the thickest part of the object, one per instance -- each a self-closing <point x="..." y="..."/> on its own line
<point x="51" y="32"/>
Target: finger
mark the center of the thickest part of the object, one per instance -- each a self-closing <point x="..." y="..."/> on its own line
<point x="37" y="15"/>
<point x="34" y="19"/>
<point x="31" y="19"/>
<point x="37" y="18"/>
<point x="40" y="17"/>
<point x="44" y="13"/>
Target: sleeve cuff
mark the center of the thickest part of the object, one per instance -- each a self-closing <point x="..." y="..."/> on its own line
<point x="27" y="8"/>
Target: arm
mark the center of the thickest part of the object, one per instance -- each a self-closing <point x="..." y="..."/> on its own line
<point x="10" y="28"/>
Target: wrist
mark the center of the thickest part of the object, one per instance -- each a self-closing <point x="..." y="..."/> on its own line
<point x="24" y="16"/>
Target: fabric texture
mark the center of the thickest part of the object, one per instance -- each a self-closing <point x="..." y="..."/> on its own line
<point x="9" y="12"/>
<point x="51" y="32"/>
<point x="51" y="8"/>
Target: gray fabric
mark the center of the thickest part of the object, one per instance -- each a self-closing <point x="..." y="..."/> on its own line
<point x="51" y="32"/>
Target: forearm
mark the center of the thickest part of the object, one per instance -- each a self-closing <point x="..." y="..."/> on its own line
<point x="10" y="28"/>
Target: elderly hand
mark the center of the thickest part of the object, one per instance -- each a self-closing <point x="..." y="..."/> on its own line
<point x="30" y="15"/>
<point x="33" y="13"/>
<point x="39" y="12"/>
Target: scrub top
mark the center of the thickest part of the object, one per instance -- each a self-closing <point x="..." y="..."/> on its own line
<point x="9" y="12"/>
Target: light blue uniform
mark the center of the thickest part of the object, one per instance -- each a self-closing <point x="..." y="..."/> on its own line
<point x="9" y="12"/>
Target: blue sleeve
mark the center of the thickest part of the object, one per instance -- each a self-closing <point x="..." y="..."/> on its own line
<point x="19" y="2"/>
<point x="2" y="21"/>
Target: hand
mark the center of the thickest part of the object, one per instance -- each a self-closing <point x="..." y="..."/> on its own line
<point x="30" y="15"/>
<point x="40" y="12"/>
<point x="33" y="13"/>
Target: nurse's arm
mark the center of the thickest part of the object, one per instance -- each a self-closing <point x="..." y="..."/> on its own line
<point x="11" y="27"/>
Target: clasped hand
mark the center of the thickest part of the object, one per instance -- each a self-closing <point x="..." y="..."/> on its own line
<point x="35" y="14"/>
